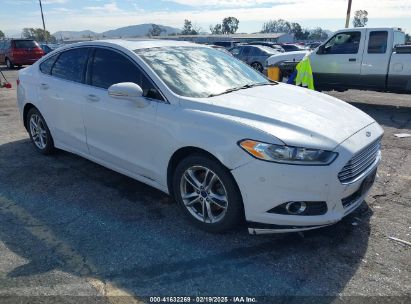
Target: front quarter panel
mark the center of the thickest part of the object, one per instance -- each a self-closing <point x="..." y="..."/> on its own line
<point x="215" y="133"/>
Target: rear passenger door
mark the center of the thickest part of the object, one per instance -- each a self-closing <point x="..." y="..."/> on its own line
<point x="118" y="131"/>
<point x="376" y="59"/>
<point x="61" y="93"/>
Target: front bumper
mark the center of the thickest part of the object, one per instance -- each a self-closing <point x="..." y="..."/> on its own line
<point x="265" y="185"/>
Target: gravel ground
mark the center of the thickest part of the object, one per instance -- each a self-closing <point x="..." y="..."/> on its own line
<point x="69" y="227"/>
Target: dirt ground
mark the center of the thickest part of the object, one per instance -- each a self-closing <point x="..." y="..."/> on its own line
<point x="69" y="227"/>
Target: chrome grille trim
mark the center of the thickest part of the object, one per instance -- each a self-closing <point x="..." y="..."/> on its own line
<point x="360" y="163"/>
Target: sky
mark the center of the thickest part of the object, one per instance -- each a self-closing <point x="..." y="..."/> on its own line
<point x="102" y="15"/>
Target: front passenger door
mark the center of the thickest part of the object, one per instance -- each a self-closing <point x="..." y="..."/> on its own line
<point x="118" y="131"/>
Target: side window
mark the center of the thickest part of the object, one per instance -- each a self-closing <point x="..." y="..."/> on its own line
<point x="71" y="65"/>
<point x="110" y="67"/>
<point x="343" y="43"/>
<point x="246" y="51"/>
<point x="257" y="52"/>
<point x="2" y="45"/>
<point x="46" y="65"/>
<point x="235" y="51"/>
<point x="377" y="44"/>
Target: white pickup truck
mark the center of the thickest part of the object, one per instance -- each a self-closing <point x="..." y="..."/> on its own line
<point x="362" y="58"/>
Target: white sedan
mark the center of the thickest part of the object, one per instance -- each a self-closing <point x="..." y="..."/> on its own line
<point x="200" y="125"/>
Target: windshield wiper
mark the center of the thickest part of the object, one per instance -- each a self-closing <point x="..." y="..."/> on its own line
<point x="247" y="86"/>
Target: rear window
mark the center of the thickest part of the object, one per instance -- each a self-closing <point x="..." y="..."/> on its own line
<point x="46" y="65"/>
<point x="378" y="42"/>
<point x="71" y="65"/>
<point x="25" y="44"/>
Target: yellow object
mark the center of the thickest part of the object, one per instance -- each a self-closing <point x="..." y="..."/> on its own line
<point x="273" y="73"/>
<point x="304" y="74"/>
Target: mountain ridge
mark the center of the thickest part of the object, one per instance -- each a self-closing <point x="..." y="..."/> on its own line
<point x="136" y="30"/>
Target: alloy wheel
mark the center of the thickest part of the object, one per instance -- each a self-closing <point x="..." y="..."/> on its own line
<point x="38" y="131"/>
<point x="204" y="194"/>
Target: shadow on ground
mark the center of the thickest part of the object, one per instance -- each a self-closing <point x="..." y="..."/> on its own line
<point x="65" y="213"/>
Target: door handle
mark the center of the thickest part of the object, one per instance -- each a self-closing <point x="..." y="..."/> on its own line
<point x="44" y="86"/>
<point x="352" y="59"/>
<point x="92" y="98"/>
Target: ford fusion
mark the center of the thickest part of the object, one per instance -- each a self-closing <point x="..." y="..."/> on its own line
<point x="228" y="144"/>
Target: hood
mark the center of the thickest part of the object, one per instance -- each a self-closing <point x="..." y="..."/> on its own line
<point x="296" y="116"/>
<point x="288" y="56"/>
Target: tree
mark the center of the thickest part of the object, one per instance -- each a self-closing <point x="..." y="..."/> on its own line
<point x="276" y="26"/>
<point x="189" y="29"/>
<point x="407" y="38"/>
<point x="318" y="34"/>
<point x="229" y="25"/>
<point x="156" y="30"/>
<point x="216" y="29"/>
<point x="38" y="35"/>
<point x="2" y="34"/>
<point x="360" y="18"/>
<point x="298" y="32"/>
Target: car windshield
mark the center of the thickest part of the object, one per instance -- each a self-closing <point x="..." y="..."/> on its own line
<point x="200" y="71"/>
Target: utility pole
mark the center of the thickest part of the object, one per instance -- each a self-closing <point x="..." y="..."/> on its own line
<point x="42" y="18"/>
<point x="347" y="20"/>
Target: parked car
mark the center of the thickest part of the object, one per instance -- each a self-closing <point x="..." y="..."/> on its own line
<point x="272" y="45"/>
<point x="254" y="55"/>
<point x="202" y="126"/>
<point x="226" y="44"/>
<point x="313" y="45"/>
<point x="287" y="62"/>
<point x="289" y="47"/>
<point x="18" y="52"/>
<point x="363" y="58"/>
<point x="220" y="48"/>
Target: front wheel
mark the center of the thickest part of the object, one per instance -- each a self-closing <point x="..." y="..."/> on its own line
<point x="207" y="193"/>
<point x="39" y="132"/>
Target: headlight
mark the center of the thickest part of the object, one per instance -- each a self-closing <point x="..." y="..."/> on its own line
<point x="287" y="154"/>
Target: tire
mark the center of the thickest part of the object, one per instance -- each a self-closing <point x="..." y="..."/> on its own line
<point x="212" y="200"/>
<point x="257" y="66"/>
<point x="39" y="132"/>
<point x="9" y="64"/>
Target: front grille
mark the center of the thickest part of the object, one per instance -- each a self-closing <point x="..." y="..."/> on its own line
<point x="360" y="162"/>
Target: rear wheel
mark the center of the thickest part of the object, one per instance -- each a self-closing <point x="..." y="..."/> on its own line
<point x="9" y="64"/>
<point x="257" y="66"/>
<point x="39" y="132"/>
<point x="207" y="193"/>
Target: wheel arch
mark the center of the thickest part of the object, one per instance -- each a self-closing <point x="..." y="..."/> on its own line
<point x="182" y="153"/>
<point x="27" y="107"/>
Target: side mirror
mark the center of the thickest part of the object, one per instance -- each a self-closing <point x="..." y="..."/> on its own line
<point x="320" y="50"/>
<point x="128" y="91"/>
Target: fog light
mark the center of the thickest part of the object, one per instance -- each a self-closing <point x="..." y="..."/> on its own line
<point x="295" y="207"/>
